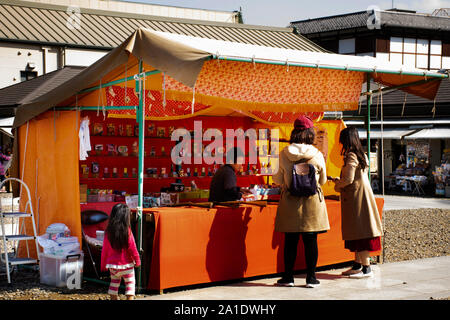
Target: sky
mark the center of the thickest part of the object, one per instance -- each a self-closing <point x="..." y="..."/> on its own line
<point x="279" y="13"/>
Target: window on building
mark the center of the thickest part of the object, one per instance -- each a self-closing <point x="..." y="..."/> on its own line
<point x="331" y="45"/>
<point x="347" y="46"/>
<point x="422" y="48"/>
<point x="27" y="75"/>
<point x="436" y="54"/>
<point x="446" y="54"/>
<point x="365" y="46"/>
<point x="418" y="53"/>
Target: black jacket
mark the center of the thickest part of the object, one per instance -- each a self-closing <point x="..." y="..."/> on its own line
<point x="223" y="185"/>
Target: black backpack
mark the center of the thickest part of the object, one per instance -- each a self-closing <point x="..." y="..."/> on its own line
<point x="304" y="182"/>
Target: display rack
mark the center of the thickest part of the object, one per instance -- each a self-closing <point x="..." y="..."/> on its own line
<point x="110" y="170"/>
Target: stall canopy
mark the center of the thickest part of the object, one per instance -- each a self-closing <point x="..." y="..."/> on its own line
<point x="387" y="133"/>
<point x="430" y="133"/>
<point x="215" y="74"/>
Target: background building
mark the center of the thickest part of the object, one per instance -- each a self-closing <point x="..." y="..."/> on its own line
<point x="150" y="9"/>
<point x="37" y="38"/>
<point x="407" y="37"/>
<point x="416" y="131"/>
<point x="40" y="36"/>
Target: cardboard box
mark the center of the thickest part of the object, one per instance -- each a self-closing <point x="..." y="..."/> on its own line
<point x="204" y="194"/>
<point x="83" y="193"/>
<point x="169" y="198"/>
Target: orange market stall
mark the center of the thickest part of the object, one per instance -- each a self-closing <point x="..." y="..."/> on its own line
<point x="158" y="78"/>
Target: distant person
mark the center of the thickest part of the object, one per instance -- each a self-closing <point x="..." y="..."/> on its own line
<point x="119" y="252"/>
<point x="301" y="215"/>
<point x="4" y="166"/>
<point x="223" y="185"/>
<point x="361" y="223"/>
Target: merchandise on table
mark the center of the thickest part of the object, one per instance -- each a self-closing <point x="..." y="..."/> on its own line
<point x="417" y="154"/>
<point x="110" y="172"/>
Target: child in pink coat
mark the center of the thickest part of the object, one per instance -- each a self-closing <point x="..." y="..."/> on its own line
<point x="119" y="252"/>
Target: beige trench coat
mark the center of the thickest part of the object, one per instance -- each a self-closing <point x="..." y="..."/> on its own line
<point x="300" y="214"/>
<point x="359" y="212"/>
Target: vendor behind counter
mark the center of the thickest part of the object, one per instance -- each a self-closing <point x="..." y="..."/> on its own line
<point x="223" y="185"/>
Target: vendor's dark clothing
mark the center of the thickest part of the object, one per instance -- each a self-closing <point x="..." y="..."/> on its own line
<point x="223" y="185"/>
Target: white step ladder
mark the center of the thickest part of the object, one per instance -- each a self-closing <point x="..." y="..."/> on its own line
<point x="10" y="263"/>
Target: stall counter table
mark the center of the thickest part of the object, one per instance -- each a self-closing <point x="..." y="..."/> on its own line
<point x="194" y="245"/>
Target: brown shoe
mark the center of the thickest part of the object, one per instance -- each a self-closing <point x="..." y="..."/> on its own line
<point x="350" y="272"/>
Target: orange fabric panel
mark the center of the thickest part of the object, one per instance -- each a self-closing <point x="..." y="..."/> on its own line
<point x="267" y="85"/>
<point x="27" y="155"/>
<point x="334" y="160"/>
<point x="98" y="97"/>
<point x="327" y="141"/>
<point x="51" y="170"/>
<point x="426" y="90"/>
<point x="194" y="245"/>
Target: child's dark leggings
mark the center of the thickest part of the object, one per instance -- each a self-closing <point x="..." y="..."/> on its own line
<point x="290" y="253"/>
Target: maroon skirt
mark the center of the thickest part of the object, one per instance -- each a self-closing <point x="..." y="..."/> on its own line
<point x="369" y="244"/>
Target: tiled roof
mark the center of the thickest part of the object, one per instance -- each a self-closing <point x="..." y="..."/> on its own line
<point x="359" y="19"/>
<point x="22" y="92"/>
<point x="44" y="23"/>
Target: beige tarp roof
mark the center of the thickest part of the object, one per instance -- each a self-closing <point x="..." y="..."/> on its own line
<point x="181" y="62"/>
<point x="182" y="58"/>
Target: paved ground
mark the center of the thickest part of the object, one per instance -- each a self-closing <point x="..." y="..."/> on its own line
<point x="404" y="202"/>
<point x="416" y="279"/>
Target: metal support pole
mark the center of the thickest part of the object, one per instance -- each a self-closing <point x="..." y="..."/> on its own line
<point x="428" y="74"/>
<point x="140" y="117"/>
<point x="369" y="102"/>
<point x="108" y="84"/>
<point x="94" y="108"/>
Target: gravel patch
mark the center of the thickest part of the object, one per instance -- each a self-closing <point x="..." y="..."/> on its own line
<point x="408" y="235"/>
<point x="26" y="286"/>
<point x="416" y="234"/>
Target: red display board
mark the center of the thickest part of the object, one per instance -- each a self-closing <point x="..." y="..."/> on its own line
<point x="114" y="143"/>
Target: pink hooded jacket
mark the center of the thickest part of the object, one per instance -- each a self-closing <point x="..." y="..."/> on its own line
<point x="120" y="259"/>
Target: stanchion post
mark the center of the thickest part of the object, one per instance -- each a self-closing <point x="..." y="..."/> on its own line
<point x="140" y="117"/>
<point x="369" y="102"/>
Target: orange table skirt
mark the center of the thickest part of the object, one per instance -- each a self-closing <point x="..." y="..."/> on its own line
<point x="195" y="245"/>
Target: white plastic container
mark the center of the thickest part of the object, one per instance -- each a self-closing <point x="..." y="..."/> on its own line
<point x="61" y="271"/>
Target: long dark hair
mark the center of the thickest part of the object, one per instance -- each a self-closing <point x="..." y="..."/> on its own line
<point x="305" y="136"/>
<point x="350" y="143"/>
<point x="118" y="224"/>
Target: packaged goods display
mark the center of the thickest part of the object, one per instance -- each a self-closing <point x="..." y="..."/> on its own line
<point x="110" y="171"/>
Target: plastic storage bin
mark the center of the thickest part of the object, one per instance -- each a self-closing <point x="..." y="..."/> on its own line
<point x="61" y="271"/>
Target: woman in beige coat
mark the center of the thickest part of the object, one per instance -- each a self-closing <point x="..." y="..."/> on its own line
<point x="306" y="216"/>
<point x="361" y="224"/>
